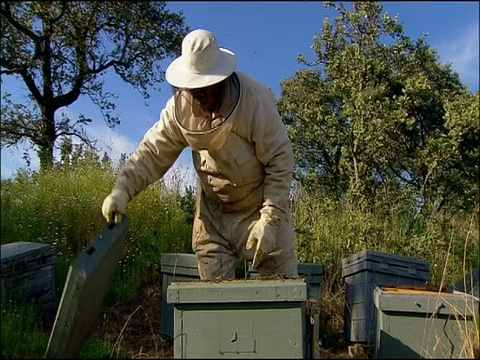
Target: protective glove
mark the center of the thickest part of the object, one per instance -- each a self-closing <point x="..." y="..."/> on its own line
<point x="263" y="235"/>
<point x="114" y="206"/>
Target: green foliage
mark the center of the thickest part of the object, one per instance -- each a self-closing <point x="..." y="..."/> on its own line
<point x="94" y="349"/>
<point x="61" y="51"/>
<point x="186" y="202"/>
<point x="62" y="207"/>
<point x="456" y="154"/>
<point x="387" y="139"/>
<point x="375" y="115"/>
<point x="22" y="336"/>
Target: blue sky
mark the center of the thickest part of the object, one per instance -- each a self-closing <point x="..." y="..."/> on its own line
<point x="266" y="37"/>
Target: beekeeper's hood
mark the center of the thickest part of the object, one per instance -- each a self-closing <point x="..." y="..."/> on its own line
<point x="203" y="63"/>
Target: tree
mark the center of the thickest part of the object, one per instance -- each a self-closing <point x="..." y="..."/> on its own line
<point x="454" y="157"/>
<point x="368" y="117"/>
<point x="60" y="50"/>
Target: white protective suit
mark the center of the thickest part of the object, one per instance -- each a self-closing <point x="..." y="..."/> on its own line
<point x="244" y="163"/>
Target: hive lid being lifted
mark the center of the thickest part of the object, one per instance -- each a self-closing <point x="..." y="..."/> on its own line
<point x="87" y="282"/>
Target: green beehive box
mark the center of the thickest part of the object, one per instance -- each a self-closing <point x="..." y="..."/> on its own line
<point x="174" y="267"/>
<point x="413" y="323"/>
<point x="239" y="318"/>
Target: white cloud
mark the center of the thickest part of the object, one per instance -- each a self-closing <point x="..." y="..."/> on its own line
<point x="12" y="159"/>
<point x="462" y="50"/>
<point x="7" y="172"/>
<point x="107" y="140"/>
<point x="110" y="141"/>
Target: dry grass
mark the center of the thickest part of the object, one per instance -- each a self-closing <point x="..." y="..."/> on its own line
<point x="133" y="328"/>
<point x="458" y="333"/>
<point x="455" y="333"/>
<point x="333" y="346"/>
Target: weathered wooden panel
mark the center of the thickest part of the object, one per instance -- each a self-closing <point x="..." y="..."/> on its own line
<point x="28" y="273"/>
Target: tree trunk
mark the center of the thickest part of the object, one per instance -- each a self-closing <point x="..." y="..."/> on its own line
<point x="45" y="154"/>
<point x="47" y="143"/>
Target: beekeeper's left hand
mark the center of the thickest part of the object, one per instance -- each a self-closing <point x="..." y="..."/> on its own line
<point x="113" y="206"/>
<point x="263" y="236"/>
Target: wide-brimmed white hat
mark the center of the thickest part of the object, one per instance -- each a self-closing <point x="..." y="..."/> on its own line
<point x="202" y="63"/>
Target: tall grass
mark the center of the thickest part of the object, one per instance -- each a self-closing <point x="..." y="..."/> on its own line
<point x="457" y="335"/>
<point x="461" y="337"/>
<point x="22" y="336"/>
<point x="157" y="225"/>
<point x="57" y="208"/>
<point x="64" y="209"/>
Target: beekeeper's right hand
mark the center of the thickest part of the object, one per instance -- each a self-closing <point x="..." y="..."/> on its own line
<point x="114" y="206"/>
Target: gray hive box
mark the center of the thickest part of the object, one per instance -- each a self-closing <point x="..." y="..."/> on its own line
<point x="314" y="274"/>
<point x="362" y="272"/>
<point x="239" y="318"/>
<point x="87" y="282"/>
<point x="424" y="324"/>
<point x="471" y="283"/>
<point x="28" y="274"/>
<point x="174" y="267"/>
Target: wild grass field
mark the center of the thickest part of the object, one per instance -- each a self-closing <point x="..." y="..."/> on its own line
<point x="63" y="208"/>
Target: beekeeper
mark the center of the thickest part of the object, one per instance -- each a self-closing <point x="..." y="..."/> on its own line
<point x="241" y="153"/>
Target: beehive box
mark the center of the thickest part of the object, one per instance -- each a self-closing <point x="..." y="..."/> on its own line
<point x="424" y="324"/>
<point x="239" y="318"/>
<point x="362" y="272"/>
<point x="87" y="282"/>
<point x="314" y="274"/>
<point x="174" y="267"/>
<point x="28" y="274"/>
